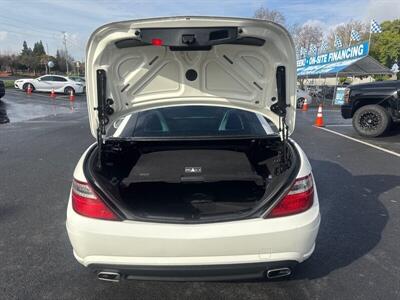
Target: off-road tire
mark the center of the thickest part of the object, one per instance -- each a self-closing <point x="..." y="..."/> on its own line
<point x="371" y="120"/>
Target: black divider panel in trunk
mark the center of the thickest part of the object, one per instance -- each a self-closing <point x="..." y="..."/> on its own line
<point x="177" y="166"/>
<point x="191" y="200"/>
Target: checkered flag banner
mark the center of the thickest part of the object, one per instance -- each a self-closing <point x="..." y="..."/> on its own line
<point x="313" y="49"/>
<point x="338" y="42"/>
<point x="323" y="47"/>
<point x="355" y="36"/>
<point x="375" y="27"/>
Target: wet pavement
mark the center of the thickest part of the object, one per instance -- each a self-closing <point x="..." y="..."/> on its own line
<point x="3" y="113"/>
<point x="22" y="107"/>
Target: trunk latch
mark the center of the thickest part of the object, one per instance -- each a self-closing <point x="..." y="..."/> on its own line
<point x="188" y="39"/>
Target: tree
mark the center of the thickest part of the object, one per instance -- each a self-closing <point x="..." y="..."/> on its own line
<point x="385" y="46"/>
<point x="8" y="62"/>
<point x="270" y="15"/>
<point x="60" y="61"/>
<point x="25" y="49"/>
<point x="343" y="31"/>
<point x="33" y="60"/>
<point x="306" y="35"/>
<point x="38" y="49"/>
<point x="26" y="58"/>
<point x="39" y="56"/>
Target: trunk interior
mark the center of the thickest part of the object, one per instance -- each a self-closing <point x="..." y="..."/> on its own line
<point x="190" y="181"/>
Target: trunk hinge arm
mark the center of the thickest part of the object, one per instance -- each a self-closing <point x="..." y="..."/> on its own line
<point x="284" y="159"/>
<point x="101" y="114"/>
<point x="279" y="108"/>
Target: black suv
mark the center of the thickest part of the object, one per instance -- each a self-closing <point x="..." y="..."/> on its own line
<point x="2" y="89"/>
<point x="373" y="106"/>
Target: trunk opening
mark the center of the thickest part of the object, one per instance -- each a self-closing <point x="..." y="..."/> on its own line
<point x="189" y="181"/>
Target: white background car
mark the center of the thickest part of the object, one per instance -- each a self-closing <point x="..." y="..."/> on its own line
<point x="301" y="97"/>
<point x="46" y="83"/>
<point x="188" y="181"/>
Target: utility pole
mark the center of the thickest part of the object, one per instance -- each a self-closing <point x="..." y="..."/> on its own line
<point x="47" y="55"/>
<point x="65" y="48"/>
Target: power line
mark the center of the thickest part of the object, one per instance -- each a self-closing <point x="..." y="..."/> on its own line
<point x="38" y="32"/>
<point x="23" y="21"/>
<point x="25" y="33"/>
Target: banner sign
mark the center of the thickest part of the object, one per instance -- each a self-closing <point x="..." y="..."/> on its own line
<point x="339" y="95"/>
<point x="352" y="52"/>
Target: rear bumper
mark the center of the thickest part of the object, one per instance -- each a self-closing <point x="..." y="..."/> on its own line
<point x="194" y="273"/>
<point x="156" y="246"/>
<point x="347" y="111"/>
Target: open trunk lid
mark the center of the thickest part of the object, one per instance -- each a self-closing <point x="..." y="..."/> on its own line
<point x="143" y="64"/>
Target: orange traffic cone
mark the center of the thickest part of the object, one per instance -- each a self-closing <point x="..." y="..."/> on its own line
<point x="72" y="96"/>
<point x="53" y="93"/>
<point x="29" y="89"/>
<point x="305" y="105"/>
<point x="319" y="121"/>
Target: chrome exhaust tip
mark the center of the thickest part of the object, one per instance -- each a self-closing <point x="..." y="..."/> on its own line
<point x="109" y="276"/>
<point x="278" y="272"/>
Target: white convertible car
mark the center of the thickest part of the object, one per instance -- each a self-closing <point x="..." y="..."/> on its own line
<point x="45" y="83"/>
<point x="193" y="175"/>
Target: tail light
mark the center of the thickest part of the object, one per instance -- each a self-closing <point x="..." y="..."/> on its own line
<point x="86" y="203"/>
<point x="299" y="199"/>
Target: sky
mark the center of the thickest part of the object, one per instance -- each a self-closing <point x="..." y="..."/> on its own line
<point x="45" y="20"/>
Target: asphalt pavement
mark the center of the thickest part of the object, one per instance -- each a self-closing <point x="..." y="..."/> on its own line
<point x="357" y="254"/>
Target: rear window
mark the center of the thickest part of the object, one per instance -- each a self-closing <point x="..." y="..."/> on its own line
<point x="77" y="79"/>
<point x="191" y="121"/>
<point x="56" y="78"/>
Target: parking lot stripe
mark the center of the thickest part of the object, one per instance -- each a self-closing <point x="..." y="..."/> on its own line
<point x="40" y="94"/>
<point x="50" y="121"/>
<point x="325" y="110"/>
<point x="359" y="141"/>
<point x="338" y="125"/>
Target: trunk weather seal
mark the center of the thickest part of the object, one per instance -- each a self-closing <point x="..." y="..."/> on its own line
<point x="194" y="138"/>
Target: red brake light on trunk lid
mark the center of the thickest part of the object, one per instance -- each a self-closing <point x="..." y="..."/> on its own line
<point x="299" y="199"/>
<point x="157" y="42"/>
<point x="86" y="203"/>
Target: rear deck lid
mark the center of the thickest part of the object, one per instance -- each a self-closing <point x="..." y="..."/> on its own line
<point x="143" y="64"/>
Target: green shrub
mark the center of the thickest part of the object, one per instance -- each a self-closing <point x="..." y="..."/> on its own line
<point x="381" y="77"/>
<point x="8" y="84"/>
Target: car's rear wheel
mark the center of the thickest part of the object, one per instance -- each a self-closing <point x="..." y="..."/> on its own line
<point x="371" y="120"/>
<point x="26" y="85"/>
<point x="68" y="90"/>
